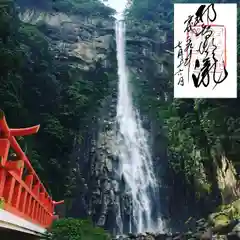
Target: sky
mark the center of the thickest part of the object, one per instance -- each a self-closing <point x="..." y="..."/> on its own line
<point x="119" y="5"/>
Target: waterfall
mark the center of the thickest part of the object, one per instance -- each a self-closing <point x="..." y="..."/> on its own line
<point x="136" y="167"/>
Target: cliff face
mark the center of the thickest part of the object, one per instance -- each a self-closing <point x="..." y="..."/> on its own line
<point x="98" y="193"/>
<point x="85" y="42"/>
<point x="196" y="159"/>
<point x="82" y="40"/>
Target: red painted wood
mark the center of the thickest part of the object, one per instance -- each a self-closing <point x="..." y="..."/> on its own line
<point x="3" y="174"/>
<point x="4" y="149"/>
<point x="24" y="131"/>
<point x="11" y="190"/>
<point x="33" y="208"/>
<point x="29" y="181"/>
<point x="25" y="197"/>
<point x="36" y="189"/>
<point x="16" y="195"/>
<point x="14" y="165"/>
<point x="25" y="200"/>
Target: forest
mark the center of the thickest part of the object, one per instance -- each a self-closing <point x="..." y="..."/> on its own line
<point x="38" y="86"/>
<point x="198" y="131"/>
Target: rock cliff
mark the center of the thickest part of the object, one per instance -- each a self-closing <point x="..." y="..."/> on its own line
<point x="80" y="39"/>
<point x="83" y="37"/>
<point x="86" y="40"/>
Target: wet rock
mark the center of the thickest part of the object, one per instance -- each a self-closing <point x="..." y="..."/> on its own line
<point x="150" y="236"/>
<point x="219" y="219"/>
<point x="115" y="186"/>
<point x="237" y="227"/>
<point x="236" y="205"/>
<point x="132" y="236"/>
<point x="225" y="227"/>
<point x="201" y="229"/>
<point x="233" y="236"/>
<point x="220" y="237"/>
<point x="109" y="165"/>
<point x="207" y="235"/>
<point x="201" y="221"/>
<point x="161" y="236"/>
<point x="178" y="236"/>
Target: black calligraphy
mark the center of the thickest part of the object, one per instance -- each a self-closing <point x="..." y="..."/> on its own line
<point x="201" y="13"/>
<point x="179" y="73"/>
<point x="198" y="25"/>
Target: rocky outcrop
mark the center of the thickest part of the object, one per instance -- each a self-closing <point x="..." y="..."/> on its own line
<point x="79" y="39"/>
<point x="84" y="41"/>
<point x="220" y="226"/>
<point x="150" y="60"/>
<point x="232" y="232"/>
<point x="227" y="180"/>
<point x="98" y="168"/>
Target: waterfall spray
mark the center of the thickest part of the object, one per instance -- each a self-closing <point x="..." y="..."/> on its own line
<point x="136" y="166"/>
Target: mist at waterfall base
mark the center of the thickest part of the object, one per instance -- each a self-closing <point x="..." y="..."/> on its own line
<point x="135" y="163"/>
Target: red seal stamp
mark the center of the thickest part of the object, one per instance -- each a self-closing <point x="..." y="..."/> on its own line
<point x="211" y="37"/>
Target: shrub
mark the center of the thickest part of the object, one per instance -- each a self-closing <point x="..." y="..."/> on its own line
<point x="76" y="229"/>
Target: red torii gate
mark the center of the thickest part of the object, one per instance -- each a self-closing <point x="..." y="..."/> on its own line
<point x="22" y="194"/>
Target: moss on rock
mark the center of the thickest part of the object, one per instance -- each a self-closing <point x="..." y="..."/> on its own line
<point x="226" y="214"/>
<point x="219" y="219"/>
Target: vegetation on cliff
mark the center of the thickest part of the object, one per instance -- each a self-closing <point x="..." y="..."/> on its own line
<point x="76" y="229"/>
<point x="200" y="133"/>
<point x="38" y="87"/>
<point x="88" y="8"/>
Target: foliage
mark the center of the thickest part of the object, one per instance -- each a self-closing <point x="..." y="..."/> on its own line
<point x="84" y="7"/>
<point x="76" y="229"/>
<point x="198" y="131"/>
<point x="37" y="86"/>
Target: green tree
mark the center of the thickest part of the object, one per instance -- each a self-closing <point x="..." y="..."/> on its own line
<point x="39" y="85"/>
<point x="77" y="229"/>
<point x="197" y="131"/>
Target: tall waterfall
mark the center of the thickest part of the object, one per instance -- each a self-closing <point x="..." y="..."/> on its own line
<point x="135" y="161"/>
